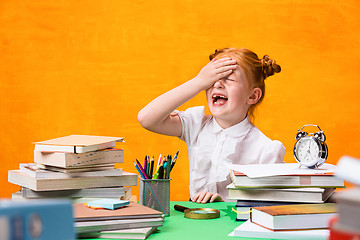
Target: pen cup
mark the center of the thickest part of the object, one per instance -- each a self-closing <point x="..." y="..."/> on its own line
<point x="155" y="194"/>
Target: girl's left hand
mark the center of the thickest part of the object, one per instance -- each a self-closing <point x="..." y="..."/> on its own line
<point x="204" y="197"/>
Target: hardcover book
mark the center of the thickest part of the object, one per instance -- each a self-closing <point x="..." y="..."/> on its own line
<point x="306" y="195"/>
<point x="20" y="178"/>
<point x="35" y="171"/>
<point x="319" y="180"/>
<point x="77" y="143"/>
<point x="294" y="217"/>
<point x="67" y="160"/>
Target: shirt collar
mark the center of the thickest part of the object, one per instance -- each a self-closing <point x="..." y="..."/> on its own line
<point x="238" y="130"/>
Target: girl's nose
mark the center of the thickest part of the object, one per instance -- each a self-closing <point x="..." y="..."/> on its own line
<point x="219" y="84"/>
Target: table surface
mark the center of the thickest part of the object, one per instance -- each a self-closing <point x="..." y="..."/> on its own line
<point x="176" y="226"/>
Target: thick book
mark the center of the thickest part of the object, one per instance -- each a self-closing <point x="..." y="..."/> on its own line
<point x="133" y="215"/>
<point x="77" y="143"/>
<point x="134" y="233"/>
<point x="25" y="180"/>
<point x="37" y="172"/>
<point x="132" y="211"/>
<point x="319" y="180"/>
<point x="67" y="160"/>
<point x="252" y="230"/>
<point x="112" y="192"/>
<point x="106" y="225"/>
<point x="306" y="195"/>
<point x="243" y="207"/>
<point x="294" y="217"/>
<point x="78" y="169"/>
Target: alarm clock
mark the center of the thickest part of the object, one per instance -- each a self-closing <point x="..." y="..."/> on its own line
<point x="310" y="149"/>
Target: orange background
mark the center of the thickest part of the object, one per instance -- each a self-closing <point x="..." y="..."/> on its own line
<point x="88" y="67"/>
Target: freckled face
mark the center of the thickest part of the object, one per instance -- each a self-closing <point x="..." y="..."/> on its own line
<point x="227" y="98"/>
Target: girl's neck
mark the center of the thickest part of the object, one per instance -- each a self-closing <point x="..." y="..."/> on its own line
<point x="226" y="123"/>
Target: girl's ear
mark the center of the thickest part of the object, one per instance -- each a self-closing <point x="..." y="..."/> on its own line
<point x="254" y="97"/>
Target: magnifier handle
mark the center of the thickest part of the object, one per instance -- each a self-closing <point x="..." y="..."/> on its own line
<point x="180" y="208"/>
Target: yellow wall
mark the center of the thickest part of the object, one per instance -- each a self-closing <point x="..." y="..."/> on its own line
<point x="88" y="67"/>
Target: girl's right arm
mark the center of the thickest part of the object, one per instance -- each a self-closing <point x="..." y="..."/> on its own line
<point x="157" y="115"/>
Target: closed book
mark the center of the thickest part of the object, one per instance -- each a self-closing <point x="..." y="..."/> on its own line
<point x="306" y="195"/>
<point x="113" y="192"/>
<point x="67" y="160"/>
<point x="106" y="225"/>
<point x="78" y="169"/>
<point x="134" y="233"/>
<point x="243" y="207"/>
<point x="35" y="171"/>
<point x="320" y="180"/>
<point x="77" y="143"/>
<point x="252" y="230"/>
<point x="131" y="216"/>
<point x="20" y="178"/>
<point x="348" y="203"/>
<point x="294" y="217"/>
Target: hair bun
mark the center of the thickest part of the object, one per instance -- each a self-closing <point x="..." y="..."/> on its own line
<point x="269" y="66"/>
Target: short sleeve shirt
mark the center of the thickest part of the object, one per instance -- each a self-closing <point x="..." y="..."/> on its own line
<point x="212" y="149"/>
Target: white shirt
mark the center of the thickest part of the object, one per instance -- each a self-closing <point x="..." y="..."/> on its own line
<point x="213" y="149"/>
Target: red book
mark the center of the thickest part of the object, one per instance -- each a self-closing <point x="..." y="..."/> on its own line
<point x="340" y="233"/>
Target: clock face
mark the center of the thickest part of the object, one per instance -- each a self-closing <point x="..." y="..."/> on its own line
<point x="307" y="151"/>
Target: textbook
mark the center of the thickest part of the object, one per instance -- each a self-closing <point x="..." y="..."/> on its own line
<point x="107" y="203"/>
<point x="78" y="169"/>
<point x="25" y="180"/>
<point x="77" y="143"/>
<point x="252" y="230"/>
<point x="67" y="160"/>
<point x="294" y="217"/>
<point x="306" y="195"/>
<point x="320" y="180"/>
<point x="112" y="192"/>
<point x="135" y="233"/>
<point x="35" y="171"/>
<point x="131" y="216"/>
<point x="348" y="204"/>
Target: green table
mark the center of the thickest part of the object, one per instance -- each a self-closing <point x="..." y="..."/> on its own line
<point x="176" y="226"/>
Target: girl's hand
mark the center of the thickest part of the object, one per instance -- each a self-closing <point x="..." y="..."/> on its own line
<point x="214" y="71"/>
<point x="204" y="197"/>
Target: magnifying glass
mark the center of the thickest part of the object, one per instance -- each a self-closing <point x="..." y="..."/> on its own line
<point x="198" y="213"/>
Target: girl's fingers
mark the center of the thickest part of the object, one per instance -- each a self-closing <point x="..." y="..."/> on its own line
<point x="214" y="197"/>
<point x="207" y="197"/>
<point x="201" y="197"/>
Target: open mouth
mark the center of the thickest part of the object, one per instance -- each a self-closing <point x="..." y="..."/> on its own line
<point x="218" y="99"/>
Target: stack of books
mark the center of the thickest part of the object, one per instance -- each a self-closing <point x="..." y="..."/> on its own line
<point x="347" y="224"/>
<point x="78" y="167"/>
<point x="280" y="184"/>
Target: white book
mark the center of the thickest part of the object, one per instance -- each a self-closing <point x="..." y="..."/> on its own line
<point x="305" y="195"/>
<point x="25" y="180"/>
<point x="135" y="233"/>
<point x="77" y="143"/>
<point x="35" y="171"/>
<point x="103" y="192"/>
<point x="251" y="230"/>
<point x="348" y="168"/>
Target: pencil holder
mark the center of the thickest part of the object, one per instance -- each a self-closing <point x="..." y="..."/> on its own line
<point x="155" y="194"/>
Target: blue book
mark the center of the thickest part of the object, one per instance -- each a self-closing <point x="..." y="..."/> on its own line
<point x="36" y="220"/>
<point x="108" y="203"/>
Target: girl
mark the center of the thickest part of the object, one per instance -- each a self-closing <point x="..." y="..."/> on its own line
<point x="234" y="84"/>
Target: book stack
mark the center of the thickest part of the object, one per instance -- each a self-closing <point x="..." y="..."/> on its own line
<point x="78" y="167"/>
<point x="280" y="184"/>
<point x="347" y="224"/>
